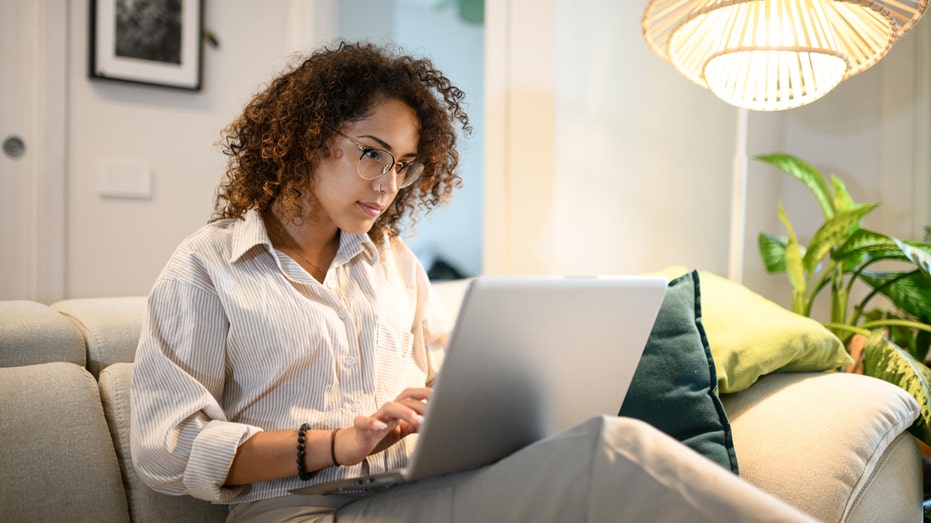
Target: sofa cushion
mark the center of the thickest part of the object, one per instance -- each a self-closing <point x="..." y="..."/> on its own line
<point x="110" y="327"/>
<point x="674" y="387"/>
<point x="450" y="293"/>
<point x="32" y="333"/>
<point x="751" y="336"/>
<point x="57" y="458"/>
<point x="144" y="503"/>
<point x="822" y="441"/>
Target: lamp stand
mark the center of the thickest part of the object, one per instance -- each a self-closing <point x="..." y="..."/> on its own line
<point x="738" y="200"/>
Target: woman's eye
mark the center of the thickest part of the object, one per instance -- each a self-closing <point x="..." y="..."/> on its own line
<point x="374" y="154"/>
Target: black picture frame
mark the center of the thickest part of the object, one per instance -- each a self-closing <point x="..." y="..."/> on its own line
<point x="155" y="42"/>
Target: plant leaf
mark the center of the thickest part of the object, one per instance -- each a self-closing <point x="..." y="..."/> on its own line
<point x="885" y="360"/>
<point x="773" y="253"/>
<point x="910" y="292"/>
<point x="794" y="268"/>
<point x="863" y="241"/>
<point x="919" y="256"/>
<point x="833" y="233"/>
<point x="864" y="245"/>
<point x="806" y="174"/>
<point x="908" y="338"/>
<point x="842" y="198"/>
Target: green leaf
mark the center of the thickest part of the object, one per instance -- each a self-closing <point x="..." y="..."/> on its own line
<point x="806" y="174"/>
<point x="905" y="336"/>
<point x="794" y="268"/>
<point x="865" y="245"/>
<point x="918" y="256"/>
<point x="773" y="252"/>
<point x="842" y="198"/>
<point x="863" y="241"/>
<point x="910" y="292"/>
<point x="885" y="360"/>
<point x="833" y="233"/>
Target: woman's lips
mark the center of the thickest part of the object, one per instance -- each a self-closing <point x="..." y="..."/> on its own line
<point x="373" y="209"/>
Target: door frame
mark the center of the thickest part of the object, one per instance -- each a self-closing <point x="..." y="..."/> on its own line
<point x="47" y="193"/>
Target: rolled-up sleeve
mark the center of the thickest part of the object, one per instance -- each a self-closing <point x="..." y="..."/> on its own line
<point x="181" y="439"/>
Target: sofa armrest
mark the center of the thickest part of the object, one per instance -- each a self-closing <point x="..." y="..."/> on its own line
<point x="832" y="444"/>
<point x="56" y="457"/>
<point x="145" y="504"/>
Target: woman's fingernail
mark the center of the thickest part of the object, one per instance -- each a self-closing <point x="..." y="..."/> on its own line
<point x="380" y="425"/>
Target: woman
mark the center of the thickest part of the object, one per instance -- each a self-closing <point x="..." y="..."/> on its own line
<point x="294" y="339"/>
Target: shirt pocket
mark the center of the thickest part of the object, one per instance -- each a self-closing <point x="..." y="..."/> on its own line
<point x="393" y="359"/>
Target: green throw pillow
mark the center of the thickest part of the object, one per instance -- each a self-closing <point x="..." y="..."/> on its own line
<point x="674" y="387"/>
<point x="751" y="336"/>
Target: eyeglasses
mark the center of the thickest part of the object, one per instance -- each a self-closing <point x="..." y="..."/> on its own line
<point x="375" y="163"/>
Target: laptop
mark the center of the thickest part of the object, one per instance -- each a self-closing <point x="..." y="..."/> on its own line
<point x="528" y="357"/>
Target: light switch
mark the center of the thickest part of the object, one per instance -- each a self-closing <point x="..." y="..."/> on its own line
<point x="124" y="178"/>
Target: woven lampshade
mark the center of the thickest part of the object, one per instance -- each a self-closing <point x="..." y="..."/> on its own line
<point x="775" y="54"/>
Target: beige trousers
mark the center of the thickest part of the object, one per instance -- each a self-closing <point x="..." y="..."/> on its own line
<point x="606" y="469"/>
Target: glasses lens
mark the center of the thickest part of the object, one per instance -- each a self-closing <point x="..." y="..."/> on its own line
<point x="409" y="174"/>
<point x="374" y="163"/>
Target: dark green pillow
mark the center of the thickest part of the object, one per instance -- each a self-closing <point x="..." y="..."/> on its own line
<point x="675" y="385"/>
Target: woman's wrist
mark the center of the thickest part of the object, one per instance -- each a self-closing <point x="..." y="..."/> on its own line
<point x="301" y="439"/>
<point x="333" y="447"/>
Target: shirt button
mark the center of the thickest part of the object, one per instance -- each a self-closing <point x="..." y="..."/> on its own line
<point x="342" y="314"/>
<point x="350" y="361"/>
<point x="331" y="284"/>
<point x="356" y="406"/>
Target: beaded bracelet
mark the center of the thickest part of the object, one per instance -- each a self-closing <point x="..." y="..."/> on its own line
<point x="301" y="434"/>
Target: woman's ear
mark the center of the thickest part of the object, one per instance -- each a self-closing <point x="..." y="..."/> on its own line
<point x="335" y="150"/>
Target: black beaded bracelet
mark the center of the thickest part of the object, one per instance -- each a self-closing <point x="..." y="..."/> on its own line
<point x="301" y="435"/>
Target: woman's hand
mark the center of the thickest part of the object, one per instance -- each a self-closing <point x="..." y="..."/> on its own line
<point x="393" y="421"/>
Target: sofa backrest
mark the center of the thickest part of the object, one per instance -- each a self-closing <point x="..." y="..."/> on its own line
<point x="32" y="333"/>
<point x="110" y="327"/>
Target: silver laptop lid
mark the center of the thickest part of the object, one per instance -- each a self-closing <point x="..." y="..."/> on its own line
<point x="530" y="357"/>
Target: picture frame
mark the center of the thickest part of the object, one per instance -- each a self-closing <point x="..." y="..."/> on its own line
<point x="155" y="42"/>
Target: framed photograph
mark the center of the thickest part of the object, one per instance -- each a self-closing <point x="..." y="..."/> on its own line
<point x="156" y="42"/>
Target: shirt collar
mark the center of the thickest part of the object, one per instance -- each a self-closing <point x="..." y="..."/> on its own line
<point x="250" y="232"/>
<point x="351" y="245"/>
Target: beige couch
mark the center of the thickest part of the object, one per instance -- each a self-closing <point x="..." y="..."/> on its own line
<point x="831" y="444"/>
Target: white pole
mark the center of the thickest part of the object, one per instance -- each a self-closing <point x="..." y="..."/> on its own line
<point x="738" y="200"/>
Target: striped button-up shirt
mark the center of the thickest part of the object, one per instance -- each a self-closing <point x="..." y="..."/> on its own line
<point x="238" y="338"/>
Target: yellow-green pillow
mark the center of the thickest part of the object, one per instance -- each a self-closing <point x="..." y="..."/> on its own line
<point x="751" y="336"/>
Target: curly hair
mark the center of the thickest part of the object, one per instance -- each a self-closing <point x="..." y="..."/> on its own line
<point x="285" y="130"/>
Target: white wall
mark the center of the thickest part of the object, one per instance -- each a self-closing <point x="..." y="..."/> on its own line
<point x="607" y="161"/>
<point x="118" y="247"/>
<point x="642" y="159"/>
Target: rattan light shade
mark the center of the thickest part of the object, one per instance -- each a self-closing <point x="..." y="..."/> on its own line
<point x="775" y="54"/>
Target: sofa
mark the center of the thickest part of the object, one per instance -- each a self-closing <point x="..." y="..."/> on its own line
<point x="832" y="444"/>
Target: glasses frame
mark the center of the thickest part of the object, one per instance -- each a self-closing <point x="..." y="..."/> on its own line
<point x="394" y="162"/>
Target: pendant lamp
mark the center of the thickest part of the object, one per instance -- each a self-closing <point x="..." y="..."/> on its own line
<point x="770" y="55"/>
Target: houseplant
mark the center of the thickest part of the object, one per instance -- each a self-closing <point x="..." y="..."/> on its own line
<point x="847" y="260"/>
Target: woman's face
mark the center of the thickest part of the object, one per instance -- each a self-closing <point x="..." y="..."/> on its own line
<point x="344" y="200"/>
